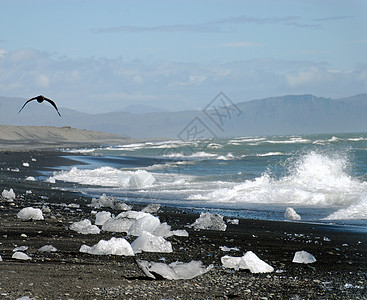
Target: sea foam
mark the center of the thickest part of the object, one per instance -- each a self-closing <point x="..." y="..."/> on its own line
<point x="313" y="180"/>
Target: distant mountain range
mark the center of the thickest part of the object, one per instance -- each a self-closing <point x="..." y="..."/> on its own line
<point x="292" y="114"/>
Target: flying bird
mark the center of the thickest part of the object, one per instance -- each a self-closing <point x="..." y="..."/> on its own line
<point x="40" y="99"/>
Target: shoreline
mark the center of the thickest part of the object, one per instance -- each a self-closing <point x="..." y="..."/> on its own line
<point x="340" y="271"/>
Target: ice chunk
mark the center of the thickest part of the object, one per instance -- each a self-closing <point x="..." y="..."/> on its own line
<point x="291" y="214"/>
<point x="9" y="195"/>
<point x="174" y="271"/>
<point x="148" y="223"/>
<point x="150" y="243"/>
<point x="140" y="179"/>
<point x="165" y="230"/>
<point x="255" y="264"/>
<point x="21" y="248"/>
<point x="102" y="217"/>
<point x="210" y="221"/>
<point x="20" y="256"/>
<point x="132" y="214"/>
<point x="227" y="249"/>
<point x="117" y="225"/>
<point x="180" y="232"/>
<point x="303" y="257"/>
<point x="1" y="259"/>
<point x="47" y="248"/>
<point x="151" y="208"/>
<point x="114" y="246"/>
<point x="233" y="221"/>
<point x="30" y="178"/>
<point x="232" y="262"/>
<point x="30" y="213"/>
<point x="248" y="261"/>
<point x="50" y="180"/>
<point x="25" y="164"/>
<point x="109" y="201"/>
<point x="85" y="227"/>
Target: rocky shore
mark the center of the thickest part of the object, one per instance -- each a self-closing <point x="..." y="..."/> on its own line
<point x="340" y="271"/>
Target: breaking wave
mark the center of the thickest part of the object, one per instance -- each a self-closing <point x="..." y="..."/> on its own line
<point x="313" y="180"/>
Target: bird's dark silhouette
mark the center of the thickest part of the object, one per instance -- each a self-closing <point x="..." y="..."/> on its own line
<point x="40" y="99"/>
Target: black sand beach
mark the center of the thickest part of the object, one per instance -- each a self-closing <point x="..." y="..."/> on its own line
<point x="340" y="271"/>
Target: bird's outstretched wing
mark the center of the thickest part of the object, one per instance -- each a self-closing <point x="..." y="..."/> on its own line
<point x="34" y="98"/>
<point x="53" y="104"/>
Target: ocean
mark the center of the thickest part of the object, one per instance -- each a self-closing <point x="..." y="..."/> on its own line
<point x="322" y="177"/>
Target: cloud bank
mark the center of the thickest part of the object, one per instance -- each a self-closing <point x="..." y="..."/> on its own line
<point x="100" y="84"/>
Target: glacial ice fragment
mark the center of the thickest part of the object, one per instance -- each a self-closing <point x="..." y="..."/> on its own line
<point x="152" y="208"/>
<point x="148" y="223"/>
<point x="114" y="246"/>
<point x="85" y="227"/>
<point x="210" y="221"/>
<point x="150" y="243"/>
<point x="248" y="261"/>
<point x="109" y="201"/>
<point x="9" y="195"/>
<point x="47" y="248"/>
<point x="174" y="271"/>
<point x="20" y="256"/>
<point x="291" y="214"/>
<point x="303" y="257"/>
<point x="30" y="213"/>
<point x="102" y="217"/>
<point x="140" y="179"/>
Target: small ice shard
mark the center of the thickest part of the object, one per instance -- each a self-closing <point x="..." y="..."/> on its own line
<point x="30" y="178"/>
<point x="20" y="256"/>
<point x="140" y="179"/>
<point x="109" y="201"/>
<point x="291" y="214"/>
<point x="46" y="209"/>
<point x="30" y="213"/>
<point x="174" y="271"/>
<point x="1" y="259"/>
<point x="148" y="223"/>
<point x="50" y="180"/>
<point x="303" y="257"/>
<point x="233" y="221"/>
<point x="114" y="246"/>
<point x="85" y="227"/>
<point x="248" y="261"/>
<point x="20" y="248"/>
<point x="165" y="230"/>
<point x="47" y="248"/>
<point x="9" y="195"/>
<point x="25" y="164"/>
<point x="151" y="208"/>
<point x="227" y="249"/>
<point x="210" y="221"/>
<point x="102" y="217"/>
<point x="33" y="159"/>
<point x="150" y="243"/>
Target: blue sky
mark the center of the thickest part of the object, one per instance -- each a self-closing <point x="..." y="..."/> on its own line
<point x="99" y="56"/>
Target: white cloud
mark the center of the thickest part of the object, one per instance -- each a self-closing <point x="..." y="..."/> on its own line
<point x="101" y="84"/>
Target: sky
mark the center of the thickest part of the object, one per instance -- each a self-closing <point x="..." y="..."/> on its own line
<point x="100" y="56"/>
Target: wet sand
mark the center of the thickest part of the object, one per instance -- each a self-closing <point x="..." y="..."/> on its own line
<point x="340" y="271"/>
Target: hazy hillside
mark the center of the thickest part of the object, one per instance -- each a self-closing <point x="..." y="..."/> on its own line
<point x="278" y="115"/>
